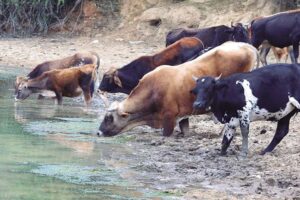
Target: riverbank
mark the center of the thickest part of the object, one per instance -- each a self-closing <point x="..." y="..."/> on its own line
<point x="189" y="166"/>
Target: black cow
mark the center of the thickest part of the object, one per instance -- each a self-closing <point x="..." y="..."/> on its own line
<point x="281" y="30"/>
<point x="126" y="78"/>
<point x="212" y="36"/>
<point x="269" y="93"/>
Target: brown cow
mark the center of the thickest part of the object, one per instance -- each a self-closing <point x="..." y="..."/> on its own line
<point x="77" y="59"/>
<point x="280" y="53"/>
<point x="69" y="82"/>
<point x="163" y="95"/>
<point x="126" y="78"/>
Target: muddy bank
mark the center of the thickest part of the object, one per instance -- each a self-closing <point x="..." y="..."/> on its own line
<point x="192" y="165"/>
<point x="189" y="166"/>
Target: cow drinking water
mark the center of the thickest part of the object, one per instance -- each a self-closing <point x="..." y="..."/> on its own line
<point x="163" y="95"/>
<point x="78" y="59"/>
<point x="70" y="82"/>
<point x="269" y="93"/>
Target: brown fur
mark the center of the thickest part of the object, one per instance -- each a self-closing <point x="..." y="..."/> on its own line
<point x="127" y="77"/>
<point x="69" y="82"/>
<point x="169" y="53"/>
<point x="280" y="53"/>
<point x="163" y="95"/>
<point x="77" y="59"/>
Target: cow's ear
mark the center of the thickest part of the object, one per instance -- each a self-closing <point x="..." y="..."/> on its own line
<point x="117" y="80"/>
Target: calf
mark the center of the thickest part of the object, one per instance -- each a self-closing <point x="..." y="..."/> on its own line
<point x="280" y="53"/>
<point x="163" y="95"/>
<point x="69" y="82"/>
<point x="269" y="93"/>
<point x="126" y="78"/>
<point x="75" y="60"/>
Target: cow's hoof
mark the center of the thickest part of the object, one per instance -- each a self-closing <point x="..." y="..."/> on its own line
<point x="242" y="155"/>
<point x="223" y="153"/>
<point x="180" y="135"/>
<point x="262" y="153"/>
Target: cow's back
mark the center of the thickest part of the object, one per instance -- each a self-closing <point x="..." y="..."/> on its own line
<point x="279" y="29"/>
<point x="276" y="81"/>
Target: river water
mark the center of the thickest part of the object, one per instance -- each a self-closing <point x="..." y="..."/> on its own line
<point x="51" y="152"/>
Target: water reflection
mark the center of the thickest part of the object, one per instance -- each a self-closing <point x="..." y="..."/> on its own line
<point x="49" y="151"/>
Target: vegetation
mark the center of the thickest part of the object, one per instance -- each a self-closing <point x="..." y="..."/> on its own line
<point x="27" y="17"/>
<point x="23" y="16"/>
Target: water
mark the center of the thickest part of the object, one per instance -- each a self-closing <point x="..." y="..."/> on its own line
<point x="50" y="152"/>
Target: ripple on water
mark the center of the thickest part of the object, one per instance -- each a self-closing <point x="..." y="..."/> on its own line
<point x="81" y="174"/>
<point x="61" y="126"/>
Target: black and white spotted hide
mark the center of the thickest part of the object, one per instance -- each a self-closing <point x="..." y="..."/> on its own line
<point x="270" y="93"/>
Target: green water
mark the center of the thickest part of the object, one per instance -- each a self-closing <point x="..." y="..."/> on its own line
<point x="49" y="151"/>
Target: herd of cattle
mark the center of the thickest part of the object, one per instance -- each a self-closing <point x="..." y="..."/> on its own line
<point x="179" y="81"/>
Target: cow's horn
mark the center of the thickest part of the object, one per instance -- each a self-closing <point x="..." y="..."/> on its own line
<point x="103" y="96"/>
<point x="195" y="78"/>
<point x="217" y="78"/>
<point x="113" y="107"/>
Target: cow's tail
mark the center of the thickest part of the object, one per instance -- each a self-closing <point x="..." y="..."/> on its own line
<point x="95" y="83"/>
<point x="98" y="59"/>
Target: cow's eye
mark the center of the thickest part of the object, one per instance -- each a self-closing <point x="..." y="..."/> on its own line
<point x="109" y="119"/>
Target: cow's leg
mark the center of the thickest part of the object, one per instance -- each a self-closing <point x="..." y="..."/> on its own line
<point x="245" y="131"/>
<point x="86" y="89"/>
<point x="228" y="132"/>
<point x="58" y="97"/>
<point x="296" y="51"/>
<point x="263" y="54"/>
<point x="291" y="53"/>
<point x="92" y="88"/>
<point x="281" y="131"/>
<point x="87" y="95"/>
<point x="168" y="124"/>
<point x="184" y="127"/>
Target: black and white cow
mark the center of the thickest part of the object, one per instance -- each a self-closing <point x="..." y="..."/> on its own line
<point x="269" y="93"/>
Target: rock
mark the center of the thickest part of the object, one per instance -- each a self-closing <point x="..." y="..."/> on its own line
<point x="271" y="181"/>
<point x="95" y="42"/>
<point x="259" y="189"/>
<point x="263" y="131"/>
<point x="157" y="143"/>
<point x="119" y="39"/>
<point x="136" y="42"/>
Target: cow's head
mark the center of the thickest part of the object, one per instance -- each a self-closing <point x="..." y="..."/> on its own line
<point x="19" y="80"/>
<point x="110" y="81"/>
<point x="23" y="91"/>
<point x="239" y="33"/>
<point x="204" y="91"/>
<point x="117" y="121"/>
